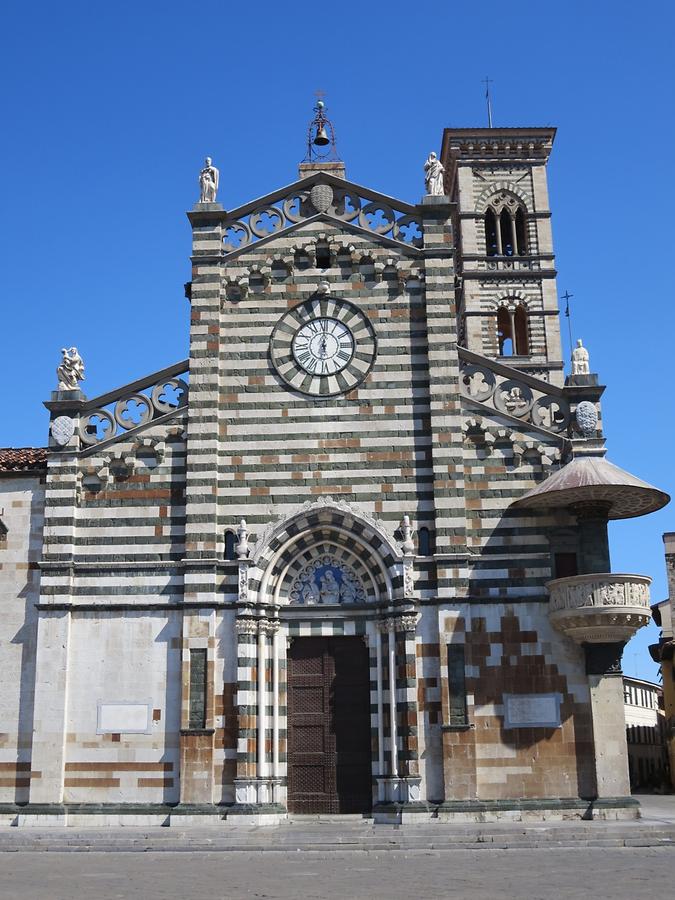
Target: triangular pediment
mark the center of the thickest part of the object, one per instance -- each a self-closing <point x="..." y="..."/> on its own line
<point x="322" y="196"/>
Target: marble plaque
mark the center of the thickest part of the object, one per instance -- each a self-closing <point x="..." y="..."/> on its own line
<point x="532" y="710"/>
<point x="130" y="718"/>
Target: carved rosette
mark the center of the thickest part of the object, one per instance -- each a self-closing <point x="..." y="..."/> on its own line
<point x="599" y="608"/>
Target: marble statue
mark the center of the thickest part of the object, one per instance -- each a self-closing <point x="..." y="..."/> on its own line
<point x="71" y="370"/>
<point x="407" y="544"/>
<point x="242" y="548"/>
<point x="208" y="182"/>
<point x="310" y="592"/>
<point x="580" y="360"/>
<point x="433" y="176"/>
<point x="347" y="591"/>
<point x="330" y="589"/>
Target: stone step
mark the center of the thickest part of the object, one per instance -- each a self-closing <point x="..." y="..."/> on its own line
<point x="319" y="840"/>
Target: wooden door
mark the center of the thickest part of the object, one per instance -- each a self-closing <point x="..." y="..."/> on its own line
<point x="329" y="759"/>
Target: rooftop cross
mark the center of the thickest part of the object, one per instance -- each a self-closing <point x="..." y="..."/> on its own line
<point x="487" y="82"/>
<point x="567" y="297"/>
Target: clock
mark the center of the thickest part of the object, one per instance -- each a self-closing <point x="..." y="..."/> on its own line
<point x="323" y="347"/>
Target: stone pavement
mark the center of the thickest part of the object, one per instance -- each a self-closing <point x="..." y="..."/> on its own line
<point x="619" y="874"/>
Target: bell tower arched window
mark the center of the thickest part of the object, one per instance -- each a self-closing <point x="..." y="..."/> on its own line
<point x="512" y="331"/>
<point x="521" y="233"/>
<point x="504" y="332"/>
<point x="491" y="242"/>
<point x="505" y="227"/>
<point x="520" y="331"/>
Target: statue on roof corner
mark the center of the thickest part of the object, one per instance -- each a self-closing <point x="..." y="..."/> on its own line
<point x="580" y="360"/>
<point x="433" y="176"/>
<point x="71" y="370"/>
<point x="208" y="182"/>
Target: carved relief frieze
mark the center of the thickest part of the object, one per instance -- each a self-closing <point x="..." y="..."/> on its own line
<point x="515" y="398"/>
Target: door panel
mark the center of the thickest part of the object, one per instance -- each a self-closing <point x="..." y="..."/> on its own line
<point x="329" y="755"/>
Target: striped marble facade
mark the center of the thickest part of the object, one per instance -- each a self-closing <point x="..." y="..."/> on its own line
<point x="143" y="566"/>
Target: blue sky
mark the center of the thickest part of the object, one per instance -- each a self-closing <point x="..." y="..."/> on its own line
<point x="110" y="109"/>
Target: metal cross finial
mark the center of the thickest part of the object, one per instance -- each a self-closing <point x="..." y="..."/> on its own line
<point x="567" y="297"/>
<point x="487" y="82"/>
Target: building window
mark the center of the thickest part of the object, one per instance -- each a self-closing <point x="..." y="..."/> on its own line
<point x="322" y="256"/>
<point x="505" y="228"/>
<point x="493" y="247"/>
<point x="457" y="709"/>
<point x="520" y="331"/>
<point x="424" y="542"/>
<point x="230" y="544"/>
<point x="197" y="717"/>
<point x="512" y="332"/>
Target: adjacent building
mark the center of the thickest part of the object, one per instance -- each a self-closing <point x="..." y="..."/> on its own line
<point x="351" y="554"/>
<point x="646" y="735"/>
<point x="664" y="652"/>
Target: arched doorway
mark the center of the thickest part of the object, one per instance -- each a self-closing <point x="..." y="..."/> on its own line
<point x="328" y="571"/>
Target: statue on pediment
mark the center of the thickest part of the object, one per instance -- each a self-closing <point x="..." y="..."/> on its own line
<point x="580" y="360"/>
<point x="208" y="182"/>
<point x="71" y="370"/>
<point x="433" y="176"/>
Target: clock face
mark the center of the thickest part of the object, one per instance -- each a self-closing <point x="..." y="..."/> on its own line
<point x="323" y="346"/>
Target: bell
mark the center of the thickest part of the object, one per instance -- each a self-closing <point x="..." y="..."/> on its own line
<point x="321" y="138"/>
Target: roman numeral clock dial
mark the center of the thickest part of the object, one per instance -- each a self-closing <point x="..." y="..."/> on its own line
<point x="323" y="347"/>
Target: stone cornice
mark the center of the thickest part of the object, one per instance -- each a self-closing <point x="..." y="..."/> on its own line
<point x="502" y="144"/>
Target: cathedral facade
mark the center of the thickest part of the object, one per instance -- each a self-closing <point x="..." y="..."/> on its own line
<point x="349" y="556"/>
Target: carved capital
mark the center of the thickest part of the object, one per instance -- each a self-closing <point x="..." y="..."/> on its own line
<point x="246" y="626"/>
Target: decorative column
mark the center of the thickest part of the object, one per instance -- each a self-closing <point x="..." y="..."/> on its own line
<point x="398" y="781"/>
<point x="407" y="702"/>
<point x="258" y="748"/>
<point x="514" y="236"/>
<point x="381" y="770"/>
<point x="244" y="783"/>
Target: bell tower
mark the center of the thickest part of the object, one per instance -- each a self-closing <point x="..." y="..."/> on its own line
<point x="508" y="305"/>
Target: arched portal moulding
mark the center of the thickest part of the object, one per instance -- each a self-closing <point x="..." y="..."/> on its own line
<point x="321" y="522"/>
